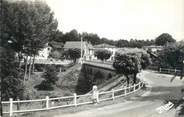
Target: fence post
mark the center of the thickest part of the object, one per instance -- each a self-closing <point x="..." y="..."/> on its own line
<point x="139" y="85"/>
<point x="175" y="70"/>
<point x="134" y="87"/>
<point x="18" y="104"/>
<point x="168" y="70"/>
<point x="125" y="90"/>
<point x="59" y="69"/>
<point x="75" y="99"/>
<point x="112" y="94"/>
<point x="11" y="107"/>
<point x="95" y="95"/>
<point x="47" y="102"/>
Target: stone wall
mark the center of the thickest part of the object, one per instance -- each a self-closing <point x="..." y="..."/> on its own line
<point x="92" y="75"/>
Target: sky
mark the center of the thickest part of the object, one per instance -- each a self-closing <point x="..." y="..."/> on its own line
<point x="121" y="19"/>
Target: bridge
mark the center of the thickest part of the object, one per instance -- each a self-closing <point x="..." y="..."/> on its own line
<point x="104" y="68"/>
<point x="102" y="65"/>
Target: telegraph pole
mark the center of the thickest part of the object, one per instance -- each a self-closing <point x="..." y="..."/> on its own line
<point x="81" y="50"/>
<point x="182" y="69"/>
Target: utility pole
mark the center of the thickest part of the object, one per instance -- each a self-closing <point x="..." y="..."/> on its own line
<point x="182" y="69"/>
<point x="81" y="50"/>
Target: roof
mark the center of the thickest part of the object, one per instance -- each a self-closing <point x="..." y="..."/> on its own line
<point x="104" y="45"/>
<point x="51" y="61"/>
<point x="76" y="44"/>
<point x="152" y="46"/>
<point x="56" y="45"/>
<point x="130" y="50"/>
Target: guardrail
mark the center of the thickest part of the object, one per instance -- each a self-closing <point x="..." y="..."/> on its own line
<point x="169" y="71"/>
<point x="21" y="106"/>
<point x="101" y="62"/>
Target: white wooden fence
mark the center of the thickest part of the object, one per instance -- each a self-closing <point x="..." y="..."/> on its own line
<point x="21" y="106"/>
<point x="169" y="71"/>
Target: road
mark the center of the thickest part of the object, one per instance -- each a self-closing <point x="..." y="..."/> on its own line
<point x="161" y="89"/>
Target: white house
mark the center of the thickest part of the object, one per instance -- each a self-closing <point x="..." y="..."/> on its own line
<point x="153" y="48"/>
<point x="43" y="54"/>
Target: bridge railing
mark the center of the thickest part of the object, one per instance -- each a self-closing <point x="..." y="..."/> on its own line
<point x="21" y="106"/>
<point x="101" y="62"/>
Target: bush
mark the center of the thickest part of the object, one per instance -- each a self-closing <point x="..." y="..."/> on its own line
<point x="45" y="85"/>
<point x="103" y="54"/>
<point x="50" y="74"/>
<point x="39" y="67"/>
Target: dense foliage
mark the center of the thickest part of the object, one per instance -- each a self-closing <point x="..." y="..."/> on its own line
<point x="164" y="39"/>
<point x="103" y="54"/>
<point x="50" y="76"/>
<point x="131" y="63"/>
<point x="94" y="39"/>
<point x="72" y="54"/>
<point x="11" y="76"/>
<point x="172" y="55"/>
<point x="28" y="25"/>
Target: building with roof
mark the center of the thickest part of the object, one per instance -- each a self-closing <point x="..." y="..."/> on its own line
<point x="153" y="48"/>
<point x="56" y="45"/>
<point x="43" y="54"/>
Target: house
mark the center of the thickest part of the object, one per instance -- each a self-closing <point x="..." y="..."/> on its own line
<point x="56" y="45"/>
<point x="153" y="48"/>
<point x="43" y="54"/>
<point x="87" y="48"/>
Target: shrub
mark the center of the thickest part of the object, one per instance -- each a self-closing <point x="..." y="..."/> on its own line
<point x="103" y="54"/>
<point x="45" y="85"/>
<point x="50" y="74"/>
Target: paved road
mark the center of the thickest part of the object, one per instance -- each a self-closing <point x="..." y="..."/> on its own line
<point x="143" y="106"/>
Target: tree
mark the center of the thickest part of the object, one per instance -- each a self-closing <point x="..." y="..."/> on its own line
<point x="127" y="64"/>
<point x="134" y="43"/>
<point x="164" y="39"/>
<point x="131" y="63"/>
<point x="73" y="35"/>
<point x="172" y="56"/>
<point x="73" y="54"/>
<point x="50" y="76"/>
<point x="103" y="54"/>
<point x="92" y="38"/>
<point x="29" y="25"/>
<point x="145" y="60"/>
<point x="11" y="75"/>
<point x="98" y="78"/>
<point x="55" y="54"/>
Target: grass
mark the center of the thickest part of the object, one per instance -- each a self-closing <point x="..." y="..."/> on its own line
<point x="65" y="85"/>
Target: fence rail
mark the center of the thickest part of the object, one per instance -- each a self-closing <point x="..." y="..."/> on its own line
<point x="169" y="71"/>
<point x="10" y="107"/>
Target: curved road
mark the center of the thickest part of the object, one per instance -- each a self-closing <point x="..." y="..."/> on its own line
<point x="144" y="105"/>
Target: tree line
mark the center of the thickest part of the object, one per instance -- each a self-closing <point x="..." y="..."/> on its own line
<point x="94" y="39"/>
